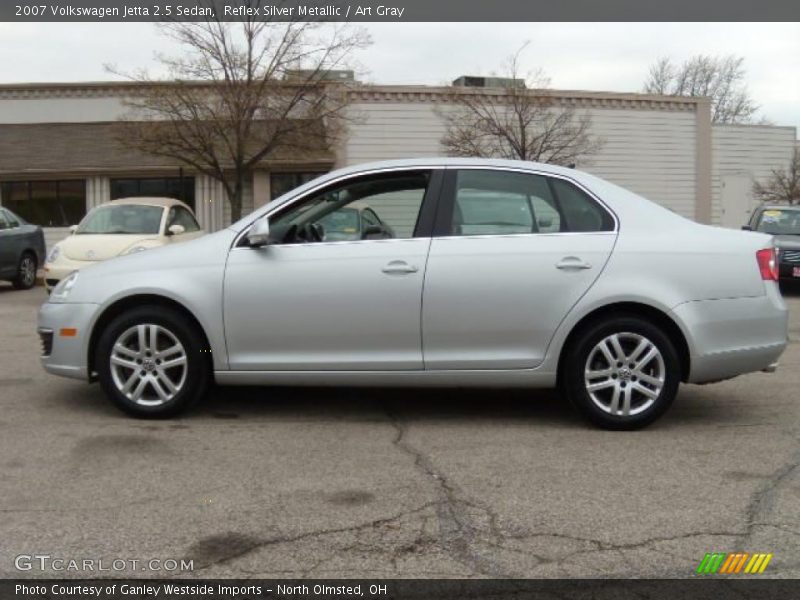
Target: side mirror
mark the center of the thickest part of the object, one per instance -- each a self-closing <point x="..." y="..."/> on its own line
<point x="73" y="229"/>
<point x="176" y="229"/>
<point x="259" y="233"/>
<point x="747" y="228"/>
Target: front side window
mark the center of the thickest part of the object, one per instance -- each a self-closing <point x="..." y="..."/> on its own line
<point x="10" y="218"/>
<point x="122" y="219"/>
<point x="505" y="203"/>
<point x="335" y="214"/>
<point x="3" y="222"/>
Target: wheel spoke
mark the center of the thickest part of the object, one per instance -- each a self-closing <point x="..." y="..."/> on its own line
<point x="618" y="351"/>
<point x="141" y="331"/>
<point x="652" y="394"/>
<point x="647" y="358"/>
<point x="120" y="349"/>
<point x="603" y="347"/>
<point x="593" y="387"/>
<point x="156" y="385"/>
<point x="175" y="362"/>
<point x="133" y="378"/>
<point x="640" y="348"/>
<point x="654" y="381"/>
<point x="169" y="351"/>
<point x="597" y="374"/>
<point x="614" y="406"/>
<point x="626" y="401"/>
<point x="152" y="344"/>
<point x="122" y="362"/>
<point x="137" y="393"/>
<point x="164" y="378"/>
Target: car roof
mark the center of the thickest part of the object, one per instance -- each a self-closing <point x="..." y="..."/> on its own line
<point x="778" y="207"/>
<point x="148" y="201"/>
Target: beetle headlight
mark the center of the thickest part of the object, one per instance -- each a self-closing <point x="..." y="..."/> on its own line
<point x="64" y="287"/>
<point x="55" y="251"/>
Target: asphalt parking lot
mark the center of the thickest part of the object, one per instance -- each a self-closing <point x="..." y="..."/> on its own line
<point x="387" y="483"/>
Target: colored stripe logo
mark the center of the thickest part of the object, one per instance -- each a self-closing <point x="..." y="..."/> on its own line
<point x="723" y="563"/>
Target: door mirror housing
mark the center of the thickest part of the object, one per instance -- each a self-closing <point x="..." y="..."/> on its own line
<point x="176" y="229"/>
<point x="73" y="229"/>
<point x="375" y="232"/>
<point x="747" y="228"/>
<point x="259" y="233"/>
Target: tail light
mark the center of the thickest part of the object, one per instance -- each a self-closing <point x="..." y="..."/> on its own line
<point x="768" y="264"/>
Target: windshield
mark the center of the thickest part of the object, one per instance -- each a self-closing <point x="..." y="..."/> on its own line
<point x="780" y="221"/>
<point x="341" y="225"/>
<point x="122" y="218"/>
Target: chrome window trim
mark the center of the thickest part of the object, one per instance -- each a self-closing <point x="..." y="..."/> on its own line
<point x="291" y="200"/>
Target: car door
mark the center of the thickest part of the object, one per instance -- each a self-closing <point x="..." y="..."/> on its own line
<point x="512" y="253"/>
<point x="301" y="303"/>
<point x="8" y="262"/>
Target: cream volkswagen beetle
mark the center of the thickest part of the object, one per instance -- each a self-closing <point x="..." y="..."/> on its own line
<point x="118" y="228"/>
<point x="490" y="273"/>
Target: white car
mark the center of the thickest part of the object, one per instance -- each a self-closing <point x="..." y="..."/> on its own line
<point x="117" y="228"/>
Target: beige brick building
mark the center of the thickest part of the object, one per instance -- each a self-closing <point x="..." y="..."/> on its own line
<point x="59" y="157"/>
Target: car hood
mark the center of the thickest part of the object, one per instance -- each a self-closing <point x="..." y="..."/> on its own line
<point x="788" y="242"/>
<point x="96" y="246"/>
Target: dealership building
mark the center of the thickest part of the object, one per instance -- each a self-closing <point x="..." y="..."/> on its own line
<point x="59" y="155"/>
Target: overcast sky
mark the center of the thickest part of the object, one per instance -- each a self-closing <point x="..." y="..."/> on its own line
<point x="585" y="56"/>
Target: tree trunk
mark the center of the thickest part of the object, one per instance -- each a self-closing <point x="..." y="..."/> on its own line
<point x="235" y="197"/>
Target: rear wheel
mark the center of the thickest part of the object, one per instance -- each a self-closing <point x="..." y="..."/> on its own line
<point x="26" y="272"/>
<point x="622" y="372"/>
<point x="152" y="362"/>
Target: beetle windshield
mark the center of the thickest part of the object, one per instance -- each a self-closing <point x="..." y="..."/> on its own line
<point x="122" y="218"/>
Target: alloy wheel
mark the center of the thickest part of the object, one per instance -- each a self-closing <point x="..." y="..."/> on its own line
<point x="148" y="364"/>
<point x="27" y="271"/>
<point x="624" y="374"/>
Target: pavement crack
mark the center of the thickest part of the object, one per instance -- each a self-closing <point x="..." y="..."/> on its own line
<point x="762" y="502"/>
<point x="460" y="527"/>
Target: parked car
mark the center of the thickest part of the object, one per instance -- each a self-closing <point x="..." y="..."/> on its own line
<point x="616" y="302"/>
<point x="783" y="222"/>
<point x="21" y="250"/>
<point x="117" y="228"/>
<point x="357" y="221"/>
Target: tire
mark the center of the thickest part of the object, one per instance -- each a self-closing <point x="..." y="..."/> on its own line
<point x="600" y="388"/>
<point x="26" y="271"/>
<point x="153" y="390"/>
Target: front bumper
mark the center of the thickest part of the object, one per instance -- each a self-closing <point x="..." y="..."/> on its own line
<point x="68" y="350"/>
<point x="733" y="336"/>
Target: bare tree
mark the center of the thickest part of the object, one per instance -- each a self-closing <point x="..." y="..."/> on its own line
<point x="240" y="93"/>
<point x="783" y="185"/>
<point x="521" y="121"/>
<point x="720" y="78"/>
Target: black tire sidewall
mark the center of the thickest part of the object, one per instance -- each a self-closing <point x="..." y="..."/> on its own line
<point x="19" y="283"/>
<point x="579" y="353"/>
<point x="198" y="374"/>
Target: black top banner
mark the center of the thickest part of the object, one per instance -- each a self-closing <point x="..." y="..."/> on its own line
<point x="400" y="10"/>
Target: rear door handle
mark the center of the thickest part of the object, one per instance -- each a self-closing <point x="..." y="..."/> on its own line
<point x="399" y="267"/>
<point x="570" y="263"/>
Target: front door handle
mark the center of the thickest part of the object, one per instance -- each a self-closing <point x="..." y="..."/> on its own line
<point x="569" y="263"/>
<point x="399" y="267"/>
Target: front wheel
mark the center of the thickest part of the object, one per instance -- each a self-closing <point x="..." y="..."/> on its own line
<point x="26" y="272"/>
<point x="152" y="362"/>
<point x="622" y="372"/>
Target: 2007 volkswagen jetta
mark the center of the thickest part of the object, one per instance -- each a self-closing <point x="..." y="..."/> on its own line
<point x="469" y="273"/>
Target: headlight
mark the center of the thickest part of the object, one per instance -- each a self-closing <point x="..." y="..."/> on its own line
<point x="134" y="250"/>
<point x="54" y="252"/>
<point x="64" y="287"/>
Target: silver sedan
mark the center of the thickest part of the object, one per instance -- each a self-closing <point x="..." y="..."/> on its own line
<point x="492" y="273"/>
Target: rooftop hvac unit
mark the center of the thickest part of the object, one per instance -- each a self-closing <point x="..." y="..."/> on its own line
<point x="488" y="82"/>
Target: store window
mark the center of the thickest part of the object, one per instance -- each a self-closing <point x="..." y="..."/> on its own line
<point x="46" y="203"/>
<point x="180" y="188"/>
<point x="280" y="183"/>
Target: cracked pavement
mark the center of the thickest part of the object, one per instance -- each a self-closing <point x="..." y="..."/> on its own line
<point x="394" y="483"/>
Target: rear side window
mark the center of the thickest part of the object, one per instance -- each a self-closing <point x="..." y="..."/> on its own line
<point x="489" y="202"/>
<point x="581" y="212"/>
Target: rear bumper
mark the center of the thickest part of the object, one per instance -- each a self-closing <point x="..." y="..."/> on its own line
<point x="733" y="336"/>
